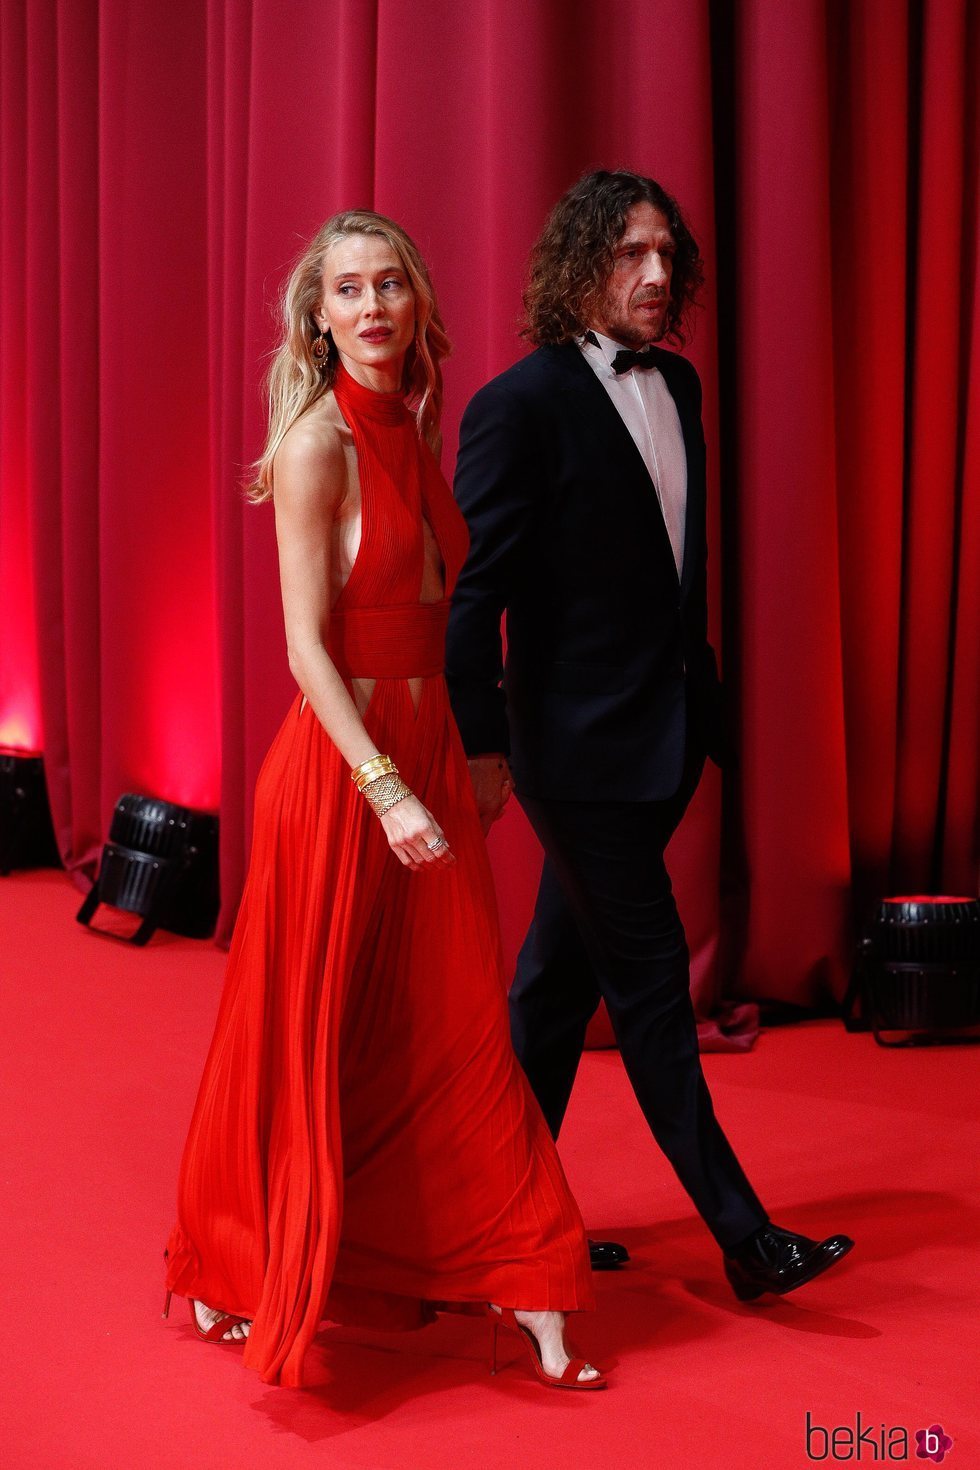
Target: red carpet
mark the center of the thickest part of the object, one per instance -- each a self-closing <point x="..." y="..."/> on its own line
<point x="104" y="1046"/>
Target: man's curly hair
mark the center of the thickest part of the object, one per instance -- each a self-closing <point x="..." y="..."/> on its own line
<point x="573" y="257"/>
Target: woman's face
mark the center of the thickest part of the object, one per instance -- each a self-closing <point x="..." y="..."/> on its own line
<point x="368" y="303"/>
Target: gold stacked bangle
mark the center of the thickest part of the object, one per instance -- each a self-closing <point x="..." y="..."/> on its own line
<point x="370" y="770"/>
<point x="385" y="792"/>
<point x="379" y="783"/>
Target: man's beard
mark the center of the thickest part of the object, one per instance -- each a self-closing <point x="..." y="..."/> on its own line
<point x="625" y="331"/>
<point x="638" y="340"/>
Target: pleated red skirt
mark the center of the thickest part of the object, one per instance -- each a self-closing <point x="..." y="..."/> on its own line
<point x="364" y="1143"/>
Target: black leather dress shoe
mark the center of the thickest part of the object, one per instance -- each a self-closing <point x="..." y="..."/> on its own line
<point x="606" y="1255"/>
<point x="776" y="1260"/>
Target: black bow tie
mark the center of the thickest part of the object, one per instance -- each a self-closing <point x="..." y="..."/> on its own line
<point x="626" y="359"/>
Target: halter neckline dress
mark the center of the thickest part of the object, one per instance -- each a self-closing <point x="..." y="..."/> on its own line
<point x="364" y="1143"/>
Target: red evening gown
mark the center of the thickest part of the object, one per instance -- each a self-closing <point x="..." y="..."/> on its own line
<point x="364" y="1142"/>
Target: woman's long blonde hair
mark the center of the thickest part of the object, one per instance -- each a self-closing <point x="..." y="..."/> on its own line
<point x="295" y="381"/>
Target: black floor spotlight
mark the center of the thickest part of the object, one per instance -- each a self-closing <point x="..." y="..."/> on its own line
<point x="917" y="973"/>
<point x="26" y="834"/>
<point x="161" y="862"/>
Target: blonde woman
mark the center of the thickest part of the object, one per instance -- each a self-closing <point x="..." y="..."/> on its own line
<point x="364" y="1144"/>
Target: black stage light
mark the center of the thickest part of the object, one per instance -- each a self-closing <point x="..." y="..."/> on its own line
<point x="918" y="971"/>
<point x="161" y="862"/>
<point x="26" y="833"/>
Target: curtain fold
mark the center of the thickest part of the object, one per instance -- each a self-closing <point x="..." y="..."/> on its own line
<point x="939" y="238"/>
<point x="870" y="165"/>
<point x="20" y="712"/>
<point x="160" y="167"/>
<point x="66" y="511"/>
<point x="794" y="799"/>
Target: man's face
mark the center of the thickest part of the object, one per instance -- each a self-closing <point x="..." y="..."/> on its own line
<point x="633" y="307"/>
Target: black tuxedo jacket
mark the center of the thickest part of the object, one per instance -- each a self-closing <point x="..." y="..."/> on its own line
<point x="609" y="675"/>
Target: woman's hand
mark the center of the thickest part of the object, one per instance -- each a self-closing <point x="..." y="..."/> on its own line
<point x="415" y="836"/>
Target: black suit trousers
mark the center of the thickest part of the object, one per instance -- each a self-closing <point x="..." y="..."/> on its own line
<point x="606" y="927"/>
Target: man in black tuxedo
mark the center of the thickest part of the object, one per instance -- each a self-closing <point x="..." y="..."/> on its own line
<point x="581" y="473"/>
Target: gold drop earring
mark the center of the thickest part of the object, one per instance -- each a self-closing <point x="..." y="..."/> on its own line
<point x="320" y="348"/>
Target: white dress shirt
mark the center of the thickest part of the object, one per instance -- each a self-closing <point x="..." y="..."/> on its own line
<point x="645" y="405"/>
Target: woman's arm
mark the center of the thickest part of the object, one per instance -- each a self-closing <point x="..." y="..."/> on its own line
<point x="310" y="483"/>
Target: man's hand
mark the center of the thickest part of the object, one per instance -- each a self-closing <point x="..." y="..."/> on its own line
<point x="492" y="786"/>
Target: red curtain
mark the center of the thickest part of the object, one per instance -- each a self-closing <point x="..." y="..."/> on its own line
<point x="161" y="163"/>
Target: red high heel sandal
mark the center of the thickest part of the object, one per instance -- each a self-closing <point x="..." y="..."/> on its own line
<point x="569" y="1379"/>
<point x="216" y="1332"/>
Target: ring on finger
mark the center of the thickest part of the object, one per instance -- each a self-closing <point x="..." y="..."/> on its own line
<point x="438" y="845"/>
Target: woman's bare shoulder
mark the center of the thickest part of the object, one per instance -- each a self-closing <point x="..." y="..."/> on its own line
<point x="311" y="457"/>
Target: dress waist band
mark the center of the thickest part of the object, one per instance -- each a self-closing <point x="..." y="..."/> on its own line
<point x="404" y="641"/>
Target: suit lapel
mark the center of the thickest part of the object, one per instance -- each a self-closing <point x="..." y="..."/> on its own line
<point x="694" y="510"/>
<point x="595" y="414"/>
